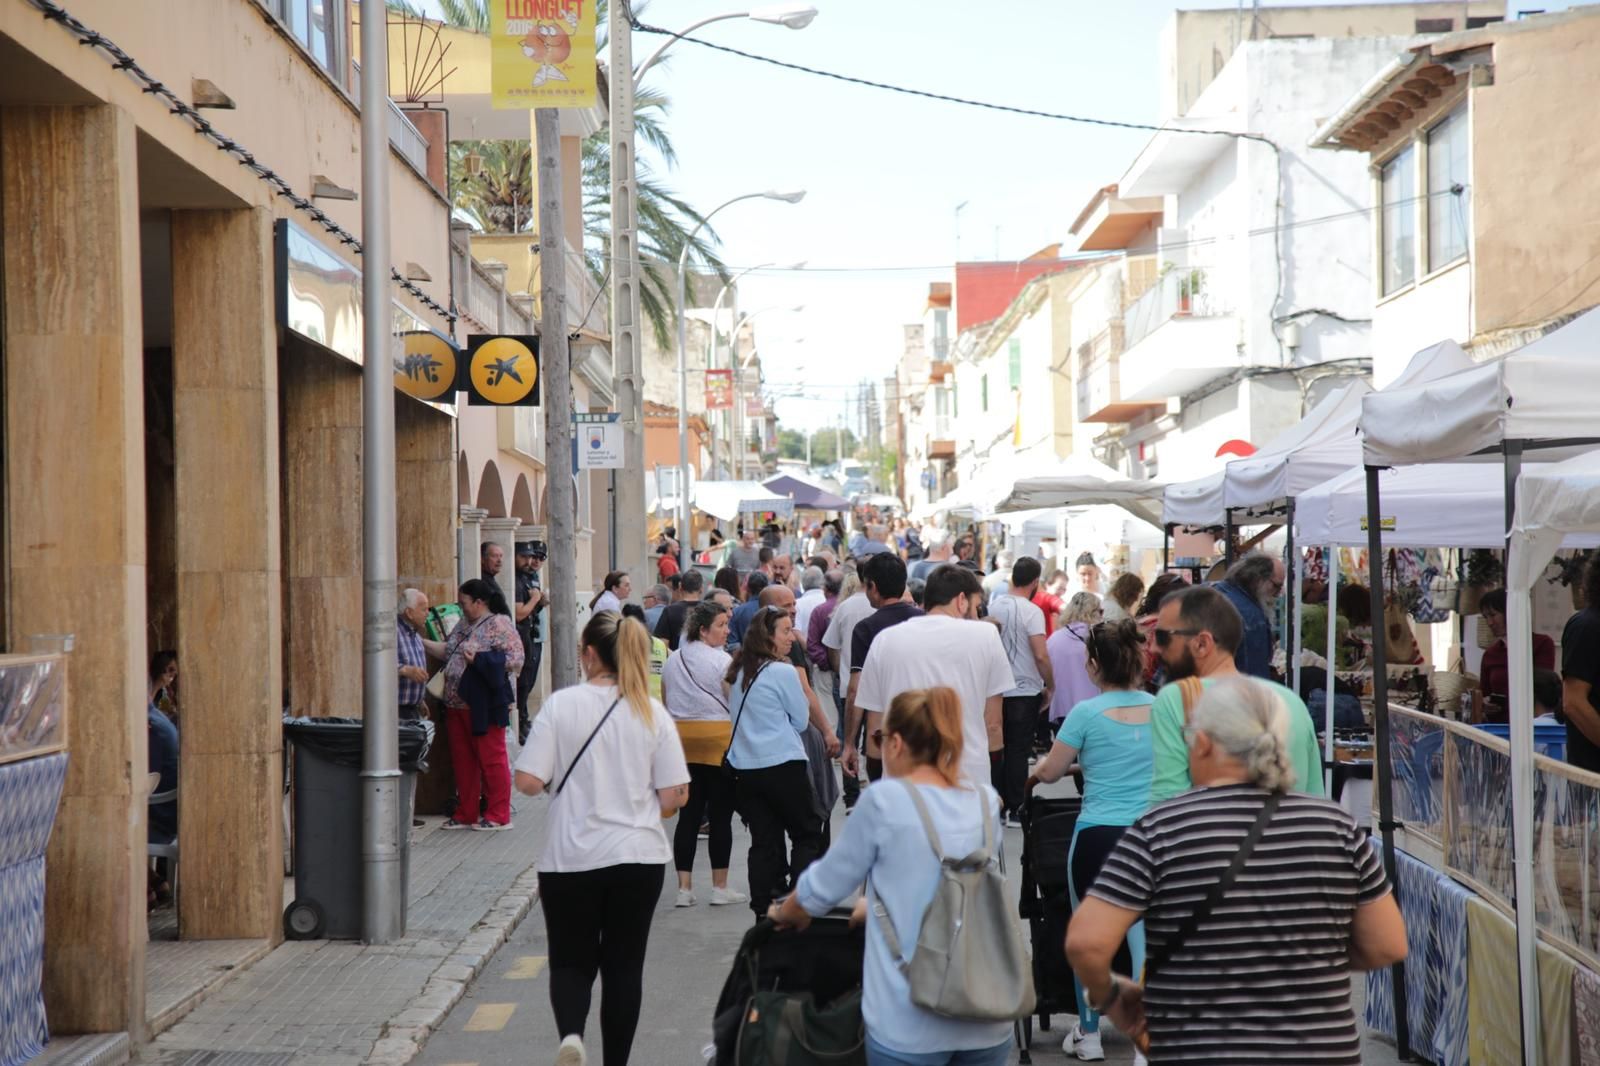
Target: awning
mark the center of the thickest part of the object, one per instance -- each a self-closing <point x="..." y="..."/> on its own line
<point x="727" y="500"/>
<point x="806" y="494"/>
<point x="1081" y="482"/>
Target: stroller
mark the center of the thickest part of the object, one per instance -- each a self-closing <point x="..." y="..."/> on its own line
<point x="824" y="960"/>
<point x="1047" y="826"/>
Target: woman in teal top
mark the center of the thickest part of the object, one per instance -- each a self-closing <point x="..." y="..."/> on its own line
<point x="1109" y="737"/>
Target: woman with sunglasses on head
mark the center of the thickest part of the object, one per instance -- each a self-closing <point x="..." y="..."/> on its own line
<point x="886" y="845"/>
<point x="610" y="757"/>
<point x="772" y="786"/>
<point x="1109" y="736"/>
<point x="1068" y="651"/>
<point x="692" y="687"/>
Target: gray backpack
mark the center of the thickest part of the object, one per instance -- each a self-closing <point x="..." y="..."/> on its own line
<point x="970" y="961"/>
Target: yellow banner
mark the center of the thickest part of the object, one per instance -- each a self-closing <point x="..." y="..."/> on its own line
<point x="542" y="53"/>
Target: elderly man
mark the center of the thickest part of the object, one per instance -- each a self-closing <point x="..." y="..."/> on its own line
<point x="413" y="652"/>
<point x="656" y="598"/>
<point x="1252" y="585"/>
<point x="491" y="560"/>
<point x="876" y="542"/>
<point x="810" y="599"/>
<point x="939" y="550"/>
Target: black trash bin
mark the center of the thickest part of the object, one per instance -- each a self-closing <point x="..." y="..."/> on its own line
<point x="327" y="823"/>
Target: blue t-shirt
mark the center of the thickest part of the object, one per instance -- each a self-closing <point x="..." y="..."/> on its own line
<point x="1118" y="758"/>
<point x="769" y="719"/>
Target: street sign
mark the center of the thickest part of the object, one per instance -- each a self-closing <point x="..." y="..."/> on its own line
<point x="501" y="371"/>
<point x="427" y="369"/>
<point x="597" y="441"/>
<point x="719" y="390"/>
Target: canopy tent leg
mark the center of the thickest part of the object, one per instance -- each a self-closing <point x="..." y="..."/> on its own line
<point x="1227" y="537"/>
<point x="1295" y="591"/>
<point x="1380" y="720"/>
<point x="1331" y="685"/>
<point x="1519" y="642"/>
<point x="1166" y="546"/>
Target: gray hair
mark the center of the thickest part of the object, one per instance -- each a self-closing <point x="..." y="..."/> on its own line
<point x="812" y="578"/>
<point x="833" y="581"/>
<point x="410" y="598"/>
<point x="1083" y="607"/>
<point x="661" y="593"/>
<point x="1248" y="720"/>
<point x="1253" y="573"/>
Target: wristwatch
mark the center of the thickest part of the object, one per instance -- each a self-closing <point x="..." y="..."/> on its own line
<point x="1111" y="997"/>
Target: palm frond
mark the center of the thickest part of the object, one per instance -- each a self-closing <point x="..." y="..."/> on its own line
<point x="405" y="7"/>
<point x="466" y="14"/>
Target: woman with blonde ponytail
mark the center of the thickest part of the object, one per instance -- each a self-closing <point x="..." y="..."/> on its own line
<point x="610" y="757"/>
<point x="886" y="844"/>
<point x="1258" y="903"/>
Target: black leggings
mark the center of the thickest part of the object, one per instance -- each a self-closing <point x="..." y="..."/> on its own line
<point x="776" y="801"/>
<point x="598" y="921"/>
<point x="710" y="800"/>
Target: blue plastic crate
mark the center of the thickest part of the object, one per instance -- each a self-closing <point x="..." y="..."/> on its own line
<point x="1549" y="738"/>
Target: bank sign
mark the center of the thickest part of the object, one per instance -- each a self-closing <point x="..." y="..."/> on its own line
<point x="542" y="53"/>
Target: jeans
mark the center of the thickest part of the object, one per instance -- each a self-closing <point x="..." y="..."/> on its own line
<point x="482" y="768"/>
<point x="878" y="1055"/>
<point x="532" y="655"/>
<point x="598" y="922"/>
<point x="1019" y="720"/>
<point x="776" y="801"/>
<point x="710" y="799"/>
<point x="1090" y="846"/>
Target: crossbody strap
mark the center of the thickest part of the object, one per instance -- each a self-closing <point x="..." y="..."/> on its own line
<point x="573" y="765"/>
<point x="744" y="697"/>
<point x="1218" y="890"/>
<point x="688" y="672"/>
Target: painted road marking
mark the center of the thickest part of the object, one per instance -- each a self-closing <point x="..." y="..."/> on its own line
<point x="526" y="968"/>
<point x="490" y="1017"/>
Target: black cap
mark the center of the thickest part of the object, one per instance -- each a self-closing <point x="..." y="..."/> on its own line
<point x="534" y="548"/>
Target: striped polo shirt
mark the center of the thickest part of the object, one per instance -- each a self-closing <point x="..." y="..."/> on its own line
<point x="1265" y="977"/>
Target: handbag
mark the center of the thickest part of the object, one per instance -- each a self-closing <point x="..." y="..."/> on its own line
<point x="1164" y="954"/>
<point x="435" y="685"/>
<point x="789" y="1029"/>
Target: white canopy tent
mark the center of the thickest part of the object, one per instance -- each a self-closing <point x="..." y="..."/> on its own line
<point x="727" y="500"/>
<point x="1539" y="397"/>
<point x="1322" y="444"/>
<point x="1081" y="482"/>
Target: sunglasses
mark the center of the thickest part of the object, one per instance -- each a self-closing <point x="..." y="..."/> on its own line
<point x="1164" y="636"/>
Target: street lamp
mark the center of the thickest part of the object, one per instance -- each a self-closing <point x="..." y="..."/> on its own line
<point x="789" y="16"/>
<point x="790" y="196"/>
<point x="627" y="369"/>
<point x="716" y="316"/>
<point x="738" y="366"/>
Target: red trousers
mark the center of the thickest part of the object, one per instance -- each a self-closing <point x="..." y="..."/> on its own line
<point x="482" y="768"/>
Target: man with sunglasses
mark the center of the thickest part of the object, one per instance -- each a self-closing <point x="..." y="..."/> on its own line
<point x="1253" y="585"/>
<point x="1198" y="632"/>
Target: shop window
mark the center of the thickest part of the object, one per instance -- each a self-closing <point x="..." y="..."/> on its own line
<point x="319" y="25"/>
<point x="1399" y="221"/>
<point x="1449" y="195"/>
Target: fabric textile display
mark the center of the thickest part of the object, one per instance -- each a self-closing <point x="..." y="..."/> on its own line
<point x="1586" y="1015"/>
<point x="1492" y="993"/>
<point x="30" y="791"/>
<point x="1447" y="968"/>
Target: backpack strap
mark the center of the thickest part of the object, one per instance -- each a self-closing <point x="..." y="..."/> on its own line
<point x="1191" y="689"/>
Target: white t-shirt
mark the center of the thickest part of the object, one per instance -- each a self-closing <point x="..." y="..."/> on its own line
<point x="939" y="650"/>
<point x="842" y="626"/>
<point x="609" y="813"/>
<point x="607" y="602"/>
<point x="809" y="601"/>
<point x="1020" y="620"/>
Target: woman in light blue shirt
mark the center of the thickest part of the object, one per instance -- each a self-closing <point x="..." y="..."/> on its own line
<point x="1109" y="736"/>
<point x="885" y="845"/>
<point x="772" y="787"/>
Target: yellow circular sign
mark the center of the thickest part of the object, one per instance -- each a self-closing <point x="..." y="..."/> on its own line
<point x="428" y="368"/>
<point x="504" y="370"/>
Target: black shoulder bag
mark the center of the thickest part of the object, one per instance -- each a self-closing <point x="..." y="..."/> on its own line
<point x="573" y="765"/>
<point x="727" y="767"/>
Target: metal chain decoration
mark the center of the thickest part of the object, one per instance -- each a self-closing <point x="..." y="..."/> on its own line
<point x="121" y="60"/>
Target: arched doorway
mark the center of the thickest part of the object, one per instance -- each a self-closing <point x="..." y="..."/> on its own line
<point x="491" y="494"/>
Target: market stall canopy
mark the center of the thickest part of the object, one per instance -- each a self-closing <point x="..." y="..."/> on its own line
<point x="1543" y="391"/>
<point x="1556" y="502"/>
<point x="1440" y="505"/>
<point x="1080" y="482"/>
<point x="1319" y="446"/>
<point x="881" y="501"/>
<point x="727" y="500"/>
<point x="1194" y="503"/>
<point x="972" y="497"/>
<point x="806" y="494"/>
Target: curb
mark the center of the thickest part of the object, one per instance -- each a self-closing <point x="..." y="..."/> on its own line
<point x="407" y="1033"/>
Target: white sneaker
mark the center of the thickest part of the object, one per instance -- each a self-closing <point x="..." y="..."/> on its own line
<point x="1140" y="1060"/>
<point x="1086" y="1046"/>
<point x="571" y="1052"/>
<point x="685" y="898"/>
<point x="722" y="897"/>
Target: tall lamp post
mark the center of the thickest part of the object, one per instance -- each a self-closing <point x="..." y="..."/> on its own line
<point x="626" y="356"/>
<point x="738" y="382"/>
<point x="716" y="316"/>
<point x="685" y="530"/>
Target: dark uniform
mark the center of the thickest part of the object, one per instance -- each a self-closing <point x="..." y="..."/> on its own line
<point x="528" y="630"/>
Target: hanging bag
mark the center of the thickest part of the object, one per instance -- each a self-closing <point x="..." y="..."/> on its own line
<point x="744" y="697"/>
<point x="969" y="961"/>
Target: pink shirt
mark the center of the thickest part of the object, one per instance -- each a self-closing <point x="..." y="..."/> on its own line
<point x="1069" y="660"/>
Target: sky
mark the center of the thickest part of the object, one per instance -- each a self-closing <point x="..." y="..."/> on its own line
<point x="885" y="173"/>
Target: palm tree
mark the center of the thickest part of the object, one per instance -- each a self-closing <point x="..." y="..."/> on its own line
<point x="492" y="181"/>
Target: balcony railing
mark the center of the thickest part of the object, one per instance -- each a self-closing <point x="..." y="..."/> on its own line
<point x="404" y="137"/>
<point x="1179" y="293"/>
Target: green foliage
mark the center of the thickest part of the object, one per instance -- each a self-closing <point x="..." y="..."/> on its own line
<point x="792" y="445"/>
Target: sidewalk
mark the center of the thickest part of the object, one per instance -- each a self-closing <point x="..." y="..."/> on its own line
<point x="341" y="1003"/>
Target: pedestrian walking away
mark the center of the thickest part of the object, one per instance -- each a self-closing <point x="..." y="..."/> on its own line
<point x="694" y="690"/>
<point x="883" y="576"/>
<point x="886" y="845"/>
<point x="1022" y="634"/>
<point x="484" y="654"/>
<point x="1258" y="903"/>
<point x="771" y="774"/>
<point x="610" y="759"/>
<point x="530" y="604"/>
<point x="1108" y="736"/>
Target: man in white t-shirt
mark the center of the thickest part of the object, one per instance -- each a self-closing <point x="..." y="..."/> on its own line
<point x="946" y="646"/>
<point x="838" y="637"/>
<point x="1022" y="632"/>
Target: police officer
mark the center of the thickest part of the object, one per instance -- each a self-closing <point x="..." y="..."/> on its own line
<point x="530" y="601"/>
